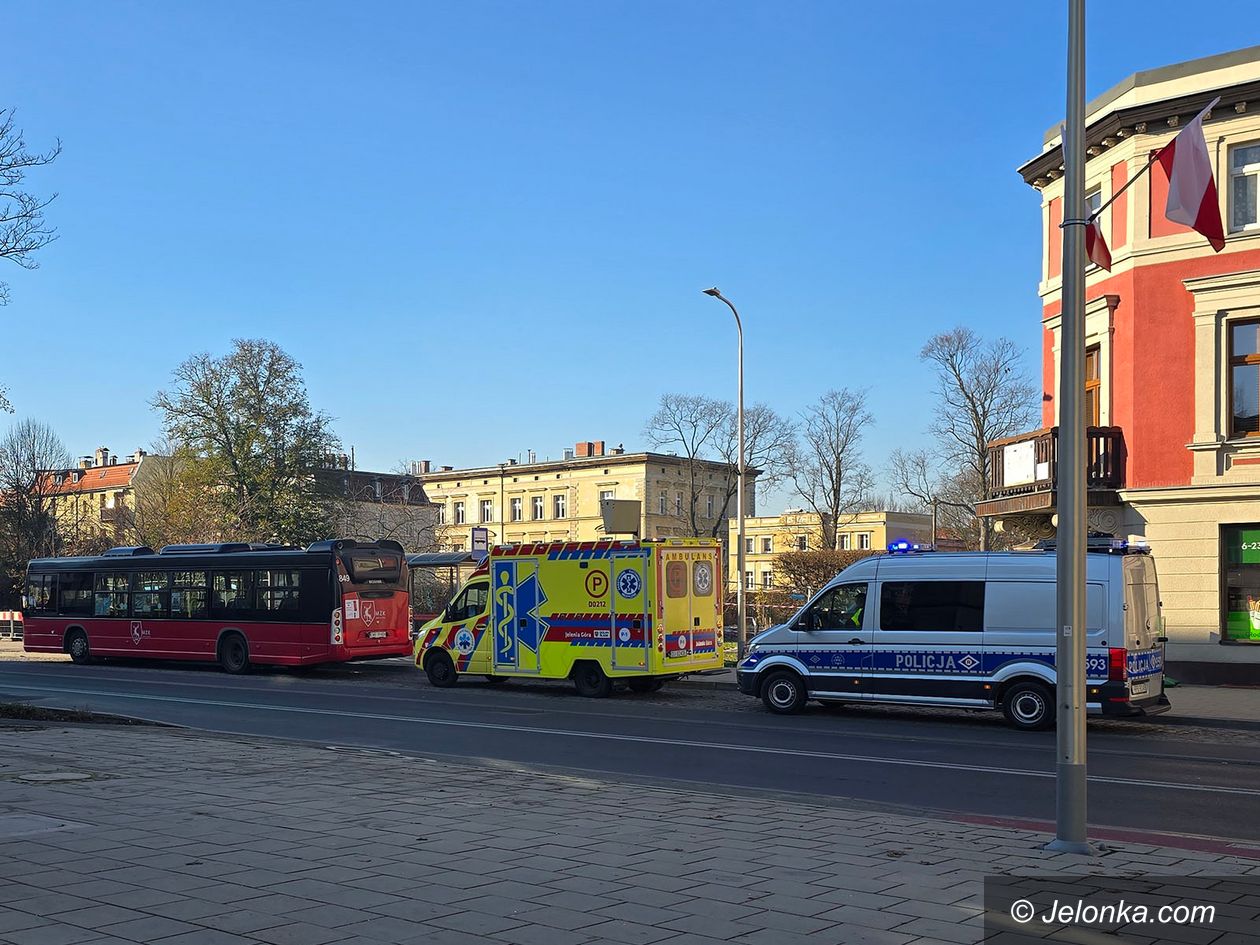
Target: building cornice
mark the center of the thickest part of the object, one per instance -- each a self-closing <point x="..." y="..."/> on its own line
<point x="1153" y="118"/>
<point x="577" y="463"/>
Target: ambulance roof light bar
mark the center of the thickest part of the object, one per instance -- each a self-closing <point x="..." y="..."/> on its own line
<point x="904" y="547"/>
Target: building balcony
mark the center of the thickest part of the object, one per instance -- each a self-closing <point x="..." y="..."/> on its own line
<point x="116" y="515"/>
<point x="1023" y="471"/>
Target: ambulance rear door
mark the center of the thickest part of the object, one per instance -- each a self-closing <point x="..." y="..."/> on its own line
<point x="692" y="607"/>
<point x="628" y="610"/>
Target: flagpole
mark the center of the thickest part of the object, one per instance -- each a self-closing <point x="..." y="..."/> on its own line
<point x="1071" y="820"/>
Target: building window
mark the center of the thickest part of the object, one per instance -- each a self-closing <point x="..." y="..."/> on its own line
<point x="560" y="505"/>
<point x="767" y="579"/>
<point x="1244" y="378"/>
<point x="606" y="494"/>
<point x="1244" y="175"/>
<point x="441" y="514"/>
<point x="678" y="499"/>
<point x="538" y="508"/>
<point x="1093" y="200"/>
<point x="459" y="513"/>
<point x="864" y="541"/>
<point x="1240" y="603"/>
<point x="1093" y="387"/>
<point x="767" y="546"/>
<point x="748" y="546"/>
<point x="708" y="506"/>
<point x="518" y="509"/>
<point x="802" y="543"/>
<point x="664" y="503"/>
<point x="844" y="542"/>
<point x="749" y="581"/>
<point x="487" y="510"/>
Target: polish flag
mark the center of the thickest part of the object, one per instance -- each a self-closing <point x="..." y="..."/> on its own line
<point x="1192" y="199"/>
<point x="1096" y="247"/>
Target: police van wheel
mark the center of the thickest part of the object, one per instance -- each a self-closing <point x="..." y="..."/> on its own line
<point x="589" y="680"/>
<point x="784" y="693"/>
<point x="1029" y="706"/>
<point x="77" y="647"/>
<point x="440" y="670"/>
<point x="646" y="684"/>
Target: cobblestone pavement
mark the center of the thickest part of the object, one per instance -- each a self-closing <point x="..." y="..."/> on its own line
<point x="111" y="835"/>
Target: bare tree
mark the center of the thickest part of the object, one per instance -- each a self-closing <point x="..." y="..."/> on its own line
<point x="826" y="466"/>
<point x="177" y="499"/>
<point x="22" y="227"/>
<point x="983" y="394"/>
<point x="30" y="455"/>
<point x="246" y="416"/>
<point x="691" y="424"/>
<point x="703" y="430"/>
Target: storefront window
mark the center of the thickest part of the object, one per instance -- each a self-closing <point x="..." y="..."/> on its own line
<point x="1240" y="555"/>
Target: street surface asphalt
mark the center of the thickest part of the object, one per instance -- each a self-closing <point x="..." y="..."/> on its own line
<point x="1143" y="775"/>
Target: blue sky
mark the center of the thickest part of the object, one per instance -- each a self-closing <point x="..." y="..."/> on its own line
<point x="482" y="227"/>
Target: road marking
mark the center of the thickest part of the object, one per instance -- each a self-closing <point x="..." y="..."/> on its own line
<point x="650" y="740"/>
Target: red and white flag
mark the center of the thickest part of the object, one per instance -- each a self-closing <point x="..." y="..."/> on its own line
<point x="1096" y="247"/>
<point x="1192" y="199"/>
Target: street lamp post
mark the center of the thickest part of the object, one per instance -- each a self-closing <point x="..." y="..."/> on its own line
<point x="740" y="603"/>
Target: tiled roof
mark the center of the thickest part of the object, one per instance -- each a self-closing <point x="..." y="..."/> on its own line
<point x="92" y="480"/>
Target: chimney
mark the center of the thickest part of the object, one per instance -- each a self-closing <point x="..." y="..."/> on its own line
<point x="85" y="462"/>
<point x="568" y="454"/>
<point x="113" y="460"/>
<point x="531" y="459"/>
<point x="426" y="466"/>
<point x="599" y="448"/>
<point x="102" y="456"/>
<point x="138" y="455"/>
<point x="447" y="468"/>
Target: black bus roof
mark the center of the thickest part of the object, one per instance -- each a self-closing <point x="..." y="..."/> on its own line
<point x="220" y="556"/>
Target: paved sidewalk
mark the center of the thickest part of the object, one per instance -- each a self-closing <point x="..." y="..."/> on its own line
<point x="147" y="835"/>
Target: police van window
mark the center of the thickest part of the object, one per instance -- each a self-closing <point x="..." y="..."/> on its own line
<point x="840" y="608"/>
<point x="1029" y="606"/>
<point x="932" y="605"/>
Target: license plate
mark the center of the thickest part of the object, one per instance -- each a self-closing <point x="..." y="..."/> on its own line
<point x="377" y="635"/>
<point x="1138" y="689"/>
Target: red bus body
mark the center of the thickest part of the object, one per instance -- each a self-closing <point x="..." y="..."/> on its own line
<point x="334" y="601"/>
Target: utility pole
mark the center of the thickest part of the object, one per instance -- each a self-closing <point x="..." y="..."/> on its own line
<point x="1071" y="819"/>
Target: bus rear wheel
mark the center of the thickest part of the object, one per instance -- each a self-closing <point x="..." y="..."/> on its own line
<point x="77" y="647"/>
<point x="440" y="670"/>
<point x="589" y="680"/>
<point x="234" y="654"/>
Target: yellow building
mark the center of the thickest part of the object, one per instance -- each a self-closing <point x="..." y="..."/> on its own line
<point x="798" y="530"/>
<point x="94" y="503"/>
<point x="558" y="500"/>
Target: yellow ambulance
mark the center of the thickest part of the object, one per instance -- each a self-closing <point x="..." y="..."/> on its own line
<point x="593" y="612"/>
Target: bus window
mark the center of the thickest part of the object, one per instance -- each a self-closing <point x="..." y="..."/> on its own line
<point x="278" y="593"/>
<point x="112" y="594"/>
<point x="233" y="592"/>
<point x="372" y="567"/>
<point x="76" y="594"/>
<point x="41" y="593"/>
<point x="190" y="597"/>
<point x="149" y="596"/>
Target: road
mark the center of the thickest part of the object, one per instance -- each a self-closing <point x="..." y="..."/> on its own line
<point x="1143" y="776"/>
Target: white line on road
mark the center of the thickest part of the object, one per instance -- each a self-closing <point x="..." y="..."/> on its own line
<point x="644" y="739"/>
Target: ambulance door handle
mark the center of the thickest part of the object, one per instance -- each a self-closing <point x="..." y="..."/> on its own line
<point x="523" y="623"/>
<point x="856" y="640"/>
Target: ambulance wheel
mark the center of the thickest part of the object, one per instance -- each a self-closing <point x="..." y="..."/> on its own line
<point x="589" y="680"/>
<point x="440" y="670"/>
<point x="1029" y="706"/>
<point x="645" y="684"/>
<point x="784" y="692"/>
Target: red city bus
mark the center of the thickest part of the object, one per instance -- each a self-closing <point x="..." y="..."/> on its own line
<point x="236" y="603"/>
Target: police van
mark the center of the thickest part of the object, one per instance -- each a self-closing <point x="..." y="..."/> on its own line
<point x="973" y="630"/>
